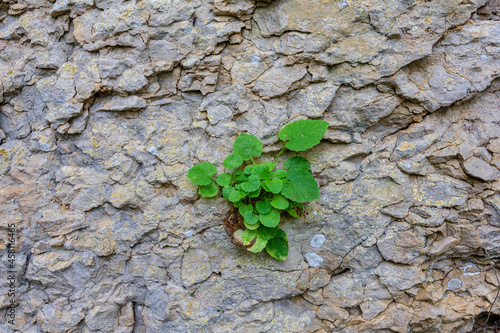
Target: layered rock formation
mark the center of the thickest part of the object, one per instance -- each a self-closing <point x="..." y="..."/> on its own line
<point x="105" y="105"/>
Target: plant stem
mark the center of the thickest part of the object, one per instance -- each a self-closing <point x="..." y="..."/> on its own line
<point x="251" y="159"/>
<point x="276" y="160"/>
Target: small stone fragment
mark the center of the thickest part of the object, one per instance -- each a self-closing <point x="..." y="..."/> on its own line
<point x="478" y="168"/>
<point x="454" y="284"/>
<point x="317" y="240"/>
<point x="118" y="103"/>
<point x="313" y="259"/>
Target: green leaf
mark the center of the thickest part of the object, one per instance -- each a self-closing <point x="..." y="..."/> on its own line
<point x="281" y="174"/>
<point x="237" y="235"/>
<point x="263" y="171"/>
<point x="250" y="218"/>
<point x="247" y="145"/>
<point x="224" y="179"/>
<point x="270" y="164"/>
<point x="245" y="208"/>
<point x="233" y="161"/>
<point x="209" y="190"/>
<point x="303" y="134"/>
<point x="297" y="205"/>
<point x="278" y="246"/>
<point x="263" y="206"/>
<point x="251" y="226"/>
<point x="274" y="185"/>
<point x="260" y="244"/>
<point x="242" y="178"/>
<point x="201" y="173"/>
<point x="248" y="170"/>
<point x="267" y="233"/>
<point x="226" y="191"/>
<point x="301" y="186"/>
<point x="251" y="185"/>
<point x="271" y="219"/>
<point x="254" y="194"/>
<point x="234" y="196"/>
<point x="248" y="236"/>
<point x="280" y="202"/>
<point x="297" y="162"/>
<point x="292" y="212"/>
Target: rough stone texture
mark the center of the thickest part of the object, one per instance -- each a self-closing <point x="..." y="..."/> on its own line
<point x="105" y="105"/>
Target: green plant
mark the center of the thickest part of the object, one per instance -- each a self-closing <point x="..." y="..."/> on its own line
<point x="259" y="194"/>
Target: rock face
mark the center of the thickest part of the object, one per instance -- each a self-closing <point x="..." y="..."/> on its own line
<point x="105" y="105"/>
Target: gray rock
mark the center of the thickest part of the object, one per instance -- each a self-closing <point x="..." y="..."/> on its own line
<point x="60" y="114"/>
<point x="447" y="87"/>
<point x="113" y="236"/>
<point x="480" y="169"/>
<point x="278" y="80"/>
<point x="57" y="223"/>
<point x="132" y="81"/>
<point x="399" y="277"/>
<point x="118" y="103"/>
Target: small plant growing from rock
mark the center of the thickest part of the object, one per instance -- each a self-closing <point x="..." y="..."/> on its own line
<point x="259" y="195"/>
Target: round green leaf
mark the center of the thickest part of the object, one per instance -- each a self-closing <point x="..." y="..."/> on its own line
<point x="263" y="171"/>
<point x="303" y="134"/>
<point x="234" y="196"/>
<point x="247" y="145"/>
<point x="254" y="194"/>
<point x="301" y="186"/>
<point x="209" y="190"/>
<point x="263" y="206"/>
<point x="224" y="179"/>
<point x="251" y="226"/>
<point x="274" y="185"/>
<point x="258" y="246"/>
<point x="248" y="236"/>
<point x="237" y="235"/>
<point x="297" y="162"/>
<point x="233" y="161"/>
<point x="201" y="173"/>
<point x="267" y="233"/>
<point x="245" y="208"/>
<point x="270" y="219"/>
<point x="248" y="170"/>
<point x="250" y="218"/>
<point x="226" y="191"/>
<point x="251" y="185"/>
<point x="278" y="246"/>
<point x="281" y="174"/>
<point x="242" y="178"/>
<point x="280" y="202"/>
<point x="270" y="164"/>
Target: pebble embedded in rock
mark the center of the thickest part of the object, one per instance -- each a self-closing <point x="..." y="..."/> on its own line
<point x="313" y="259"/>
<point x="454" y="284"/>
<point x="317" y="240"/>
<point x="153" y="150"/>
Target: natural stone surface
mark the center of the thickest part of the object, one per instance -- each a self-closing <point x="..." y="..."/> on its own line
<point x="105" y="105"/>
